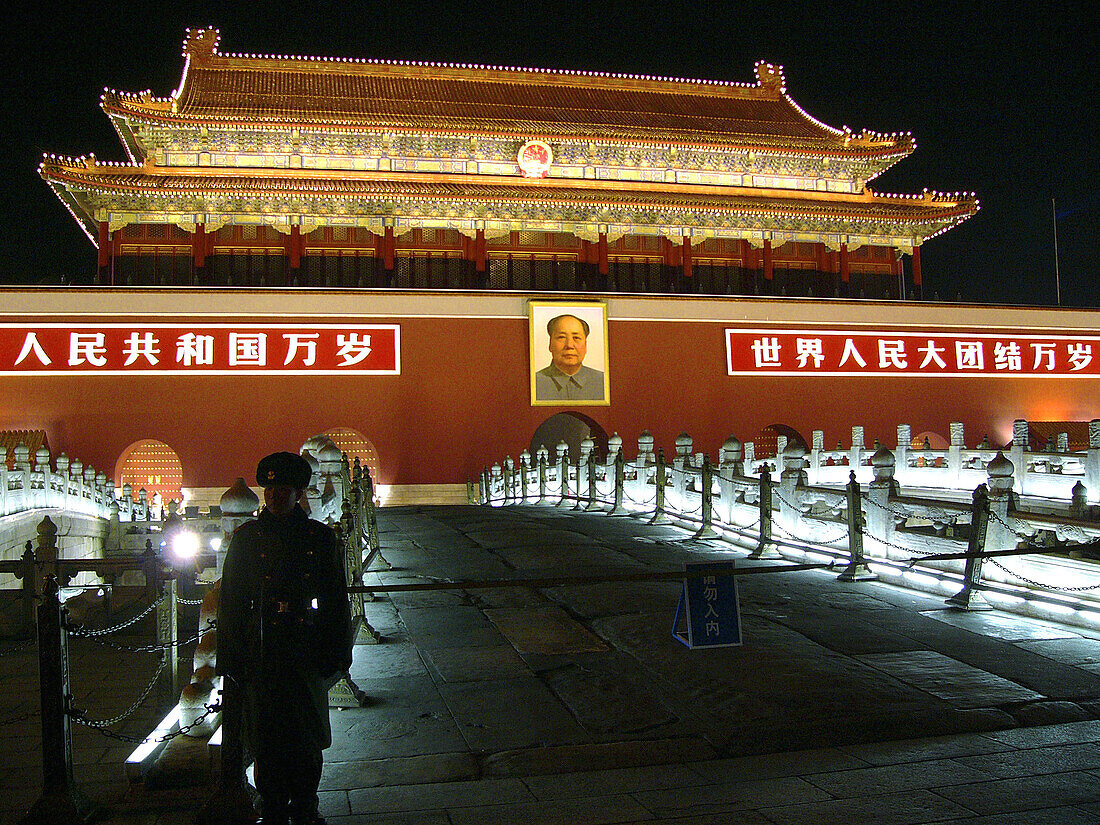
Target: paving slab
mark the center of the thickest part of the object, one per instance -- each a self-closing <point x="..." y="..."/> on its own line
<point x="545" y="629"/>
<point x="1000" y="626"/>
<point x="448" y="795"/>
<point x="964" y="686"/>
<point x="728" y="798"/>
<point x="906" y="808"/>
<point x="475" y="664"/>
<point x="1023" y="793"/>
<point x="510" y="713"/>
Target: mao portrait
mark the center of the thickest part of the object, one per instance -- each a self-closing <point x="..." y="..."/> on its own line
<point x="568" y="353"/>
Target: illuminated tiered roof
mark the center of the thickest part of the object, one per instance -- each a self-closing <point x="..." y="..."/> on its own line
<point x="276" y="139"/>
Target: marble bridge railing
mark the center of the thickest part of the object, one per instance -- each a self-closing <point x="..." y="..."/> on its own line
<point x="32" y="484"/>
<point x="991" y="545"/>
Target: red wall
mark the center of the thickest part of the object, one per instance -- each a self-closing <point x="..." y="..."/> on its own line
<point x="462" y="402"/>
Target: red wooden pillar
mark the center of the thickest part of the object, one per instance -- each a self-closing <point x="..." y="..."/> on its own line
<point x="480" y="252"/>
<point x="294" y="253"/>
<point x="845" y="272"/>
<point x="389" y="247"/>
<point x="769" y="270"/>
<point x="916" y="266"/>
<point x="601" y="252"/>
<point x="104" y="257"/>
<point x="687" y="256"/>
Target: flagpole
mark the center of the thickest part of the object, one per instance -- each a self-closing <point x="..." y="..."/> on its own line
<point x="1057" y="274"/>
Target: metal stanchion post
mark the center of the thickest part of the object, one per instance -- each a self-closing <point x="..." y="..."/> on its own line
<point x="969" y="598"/>
<point x="542" y="476"/>
<point x="166" y="626"/>
<point x="62" y="802"/>
<point x="857" y="569"/>
<point x="593" y="503"/>
<point x="620" y="483"/>
<point x="30" y="590"/>
<point x="563" y="477"/>
<point x="763" y="548"/>
<point x="706" y="476"/>
<point x="659" y="482"/>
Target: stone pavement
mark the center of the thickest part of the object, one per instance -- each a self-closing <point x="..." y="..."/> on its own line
<point x="848" y="702"/>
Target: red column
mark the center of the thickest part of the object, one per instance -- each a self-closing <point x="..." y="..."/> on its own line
<point x="480" y="252"/>
<point x="295" y="250"/>
<point x="389" y="247"/>
<point x="104" y="257"/>
<point x="845" y="273"/>
<point x="198" y="246"/>
<point x="916" y="266"/>
<point x="768" y="269"/>
<point x="601" y="252"/>
<point x="687" y="256"/>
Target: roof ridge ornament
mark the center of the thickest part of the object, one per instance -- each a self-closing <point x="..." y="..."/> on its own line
<point x="771" y="77"/>
<point x="201" y="41"/>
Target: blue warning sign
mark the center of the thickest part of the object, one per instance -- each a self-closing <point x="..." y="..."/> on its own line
<point x="708" y="614"/>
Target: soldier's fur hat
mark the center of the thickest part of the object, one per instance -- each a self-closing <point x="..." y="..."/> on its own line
<point x="283" y="468"/>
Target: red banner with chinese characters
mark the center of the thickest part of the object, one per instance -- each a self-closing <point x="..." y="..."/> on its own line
<point x="945" y="353"/>
<point x="212" y="349"/>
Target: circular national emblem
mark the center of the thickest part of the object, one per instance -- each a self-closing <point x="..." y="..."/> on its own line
<point x="534" y="159"/>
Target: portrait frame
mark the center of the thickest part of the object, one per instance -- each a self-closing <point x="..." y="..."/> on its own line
<point x="594" y="313"/>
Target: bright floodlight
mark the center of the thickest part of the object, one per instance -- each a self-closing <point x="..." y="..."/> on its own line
<point x="216" y="543"/>
<point x="185" y="544"/>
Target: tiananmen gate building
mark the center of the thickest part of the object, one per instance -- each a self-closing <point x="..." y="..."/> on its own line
<point x="301" y="245"/>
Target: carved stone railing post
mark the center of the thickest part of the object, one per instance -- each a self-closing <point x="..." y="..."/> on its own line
<point x="1079" y="501"/>
<point x="1092" y="461"/>
<point x="816" y="457"/>
<point x="730" y="466"/>
<point x="791" y="480"/>
<point x="880" y="520"/>
<point x="496" y="476"/>
<point x="857" y="569"/>
<point x="1021" y="444"/>
<point x="855" y="457"/>
<point x="509" y="480"/>
<point x="764" y="548"/>
<point x="968" y="598"/>
<point x="954" y="452"/>
<point x="901" y="454"/>
<point x="659" y="481"/>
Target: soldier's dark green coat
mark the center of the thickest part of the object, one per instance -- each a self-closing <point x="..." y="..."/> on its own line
<point x="271" y="638"/>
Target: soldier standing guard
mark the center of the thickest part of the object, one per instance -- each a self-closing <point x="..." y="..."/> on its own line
<point x="283" y="635"/>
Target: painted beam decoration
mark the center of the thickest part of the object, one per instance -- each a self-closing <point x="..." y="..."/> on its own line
<point x="931" y="352"/>
<point x="212" y="349"/>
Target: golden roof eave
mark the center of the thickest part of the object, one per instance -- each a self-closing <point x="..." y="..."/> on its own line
<point x="88" y="176"/>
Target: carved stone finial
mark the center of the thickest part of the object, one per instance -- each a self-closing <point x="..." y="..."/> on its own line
<point x="239" y="500"/>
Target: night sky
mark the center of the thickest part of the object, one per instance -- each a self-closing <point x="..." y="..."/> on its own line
<point x="1000" y="97"/>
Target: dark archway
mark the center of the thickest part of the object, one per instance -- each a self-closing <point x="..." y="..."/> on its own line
<point x="767" y="440"/>
<point x="572" y="428"/>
